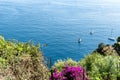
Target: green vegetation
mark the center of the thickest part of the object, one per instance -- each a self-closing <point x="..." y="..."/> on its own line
<point x="21" y="61"/>
<point x="24" y="61"/>
<point x="117" y="46"/>
<point x="106" y="49"/>
<point x="98" y="67"/>
<point x="60" y="64"/>
<point x="101" y="64"/>
<point x="118" y="39"/>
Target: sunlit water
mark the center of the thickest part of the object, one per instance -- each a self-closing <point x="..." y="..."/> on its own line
<point x="60" y="23"/>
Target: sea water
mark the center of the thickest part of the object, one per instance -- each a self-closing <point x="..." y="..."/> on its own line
<point x="60" y="23"/>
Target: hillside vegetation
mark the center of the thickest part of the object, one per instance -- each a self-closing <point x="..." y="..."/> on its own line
<point x="24" y="61"/>
<point x="101" y="64"/>
<point x="21" y="61"/>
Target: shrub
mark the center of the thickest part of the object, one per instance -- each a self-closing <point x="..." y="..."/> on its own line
<point x="100" y="48"/>
<point x="117" y="47"/>
<point x="20" y="61"/>
<point x="60" y="64"/>
<point x="105" y="68"/>
<point x="100" y="67"/>
<point x="118" y="39"/>
<point x="88" y="61"/>
<point x="70" y="73"/>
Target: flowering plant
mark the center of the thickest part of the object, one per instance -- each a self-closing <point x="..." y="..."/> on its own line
<point x="70" y="73"/>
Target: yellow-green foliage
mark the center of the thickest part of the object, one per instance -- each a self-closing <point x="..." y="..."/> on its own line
<point x="61" y="63"/>
<point x="21" y="61"/>
<point x="89" y="60"/>
<point x="98" y="67"/>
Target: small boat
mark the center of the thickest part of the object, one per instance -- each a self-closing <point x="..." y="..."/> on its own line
<point x="111" y="38"/>
<point x="79" y="40"/>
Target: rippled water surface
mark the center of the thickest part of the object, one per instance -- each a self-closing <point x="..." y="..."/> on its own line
<point x="60" y="23"/>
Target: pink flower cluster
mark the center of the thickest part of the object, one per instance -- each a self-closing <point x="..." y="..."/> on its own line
<point x="70" y="73"/>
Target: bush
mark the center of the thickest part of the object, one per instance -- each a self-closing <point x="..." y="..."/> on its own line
<point x="100" y="48"/>
<point x="60" y="64"/>
<point x="100" y="67"/>
<point x="88" y="61"/>
<point x="105" y="68"/>
<point x="70" y="73"/>
<point x="20" y="61"/>
<point x="118" y="39"/>
<point x="117" y="48"/>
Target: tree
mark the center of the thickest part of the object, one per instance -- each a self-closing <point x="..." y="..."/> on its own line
<point x="118" y="39"/>
<point x="100" y="48"/>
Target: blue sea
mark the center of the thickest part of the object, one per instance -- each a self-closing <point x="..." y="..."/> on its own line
<point x="60" y="23"/>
